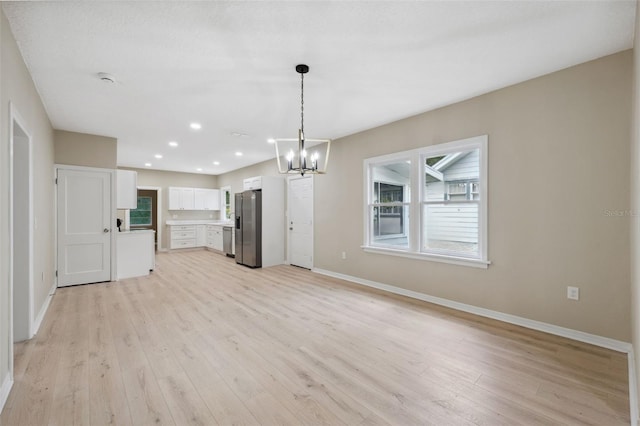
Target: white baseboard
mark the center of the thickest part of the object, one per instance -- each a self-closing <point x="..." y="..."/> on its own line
<point x="43" y="310"/>
<point x="7" y="383"/>
<point x="605" y="342"/>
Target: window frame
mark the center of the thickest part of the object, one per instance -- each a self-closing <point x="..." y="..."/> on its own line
<point x="370" y="205"/>
<point x="418" y="200"/>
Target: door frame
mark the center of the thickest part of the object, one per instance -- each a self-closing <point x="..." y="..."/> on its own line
<point x="112" y="218"/>
<point x="16" y="119"/>
<point x="313" y="222"/>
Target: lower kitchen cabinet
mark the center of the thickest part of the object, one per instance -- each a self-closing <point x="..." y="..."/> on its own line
<point x="182" y="236"/>
<point x="190" y="236"/>
<point x="214" y="237"/>
<point x="201" y="235"/>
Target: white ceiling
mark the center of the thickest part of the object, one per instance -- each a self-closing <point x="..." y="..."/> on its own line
<point x="231" y="65"/>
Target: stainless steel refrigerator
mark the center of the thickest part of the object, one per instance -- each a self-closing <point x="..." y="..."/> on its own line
<point x="249" y="228"/>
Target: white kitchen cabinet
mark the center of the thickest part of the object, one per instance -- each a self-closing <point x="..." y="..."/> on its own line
<point x="193" y="198"/>
<point x="252" y="183"/>
<point x="201" y="235"/>
<point x="182" y="236"/>
<point x="127" y="185"/>
<point x="181" y="198"/>
<point x="214" y="237"/>
<point x="206" y="199"/>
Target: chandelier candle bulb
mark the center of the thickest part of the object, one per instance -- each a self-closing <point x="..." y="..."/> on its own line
<point x="290" y="161"/>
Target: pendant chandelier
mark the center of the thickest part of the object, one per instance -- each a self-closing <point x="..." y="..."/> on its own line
<point x="307" y="157"/>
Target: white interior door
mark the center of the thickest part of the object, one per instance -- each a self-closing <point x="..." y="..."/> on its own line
<point x="84" y="226"/>
<point x="300" y="199"/>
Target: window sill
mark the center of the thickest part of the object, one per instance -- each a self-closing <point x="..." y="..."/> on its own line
<point x="463" y="261"/>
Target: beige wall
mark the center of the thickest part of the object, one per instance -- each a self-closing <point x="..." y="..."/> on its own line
<point x="80" y="149"/>
<point x="635" y="201"/>
<point x="164" y="180"/>
<point x="17" y="87"/>
<point x="558" y="162"/>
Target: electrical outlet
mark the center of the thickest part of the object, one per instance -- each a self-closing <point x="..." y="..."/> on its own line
<point x="344" y="255"/>
<point x="573" y="293"/>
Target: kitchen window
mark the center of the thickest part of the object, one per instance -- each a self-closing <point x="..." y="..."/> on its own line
<point x="142" y="215"/>
<point x="226" y="202"/>
<point x="448" y="211"/>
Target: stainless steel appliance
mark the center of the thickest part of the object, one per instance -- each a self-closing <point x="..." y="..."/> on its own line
<point x="227" y="240"/>
<point x="249" y="228"/>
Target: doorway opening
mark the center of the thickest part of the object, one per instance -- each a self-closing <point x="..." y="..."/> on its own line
<point x="21" y="232"/>
<point x="146" y="215"/>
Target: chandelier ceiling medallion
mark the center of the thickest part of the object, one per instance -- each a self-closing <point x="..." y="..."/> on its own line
<point x="308" y="158"/>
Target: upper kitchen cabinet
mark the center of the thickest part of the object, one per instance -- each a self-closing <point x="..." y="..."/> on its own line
<point x="194" y="198"/>
<point x="252" y="183"/>
<point x="207" y="199"/>
<point x="181" y="198"/>
<point x="127" y="182"/>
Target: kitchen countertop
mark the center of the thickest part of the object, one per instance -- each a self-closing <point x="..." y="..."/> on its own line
<point x="136" y="231"/>
<point x="200" y="222"/>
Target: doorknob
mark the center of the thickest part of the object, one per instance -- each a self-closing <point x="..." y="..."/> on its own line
<point x="105" y="230"/>
<point x="291" y="229"/>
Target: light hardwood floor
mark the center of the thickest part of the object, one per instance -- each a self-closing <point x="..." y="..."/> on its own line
<point x="204" y="341"/>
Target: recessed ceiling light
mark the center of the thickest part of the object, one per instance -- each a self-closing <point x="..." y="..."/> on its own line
<point x="195" y="126"/>
<point x="158" y="156"/>
<point x="199" y="169"/>
<point x="216" y="163"/>
<point x="271" y="140"/>
<point x="238" y="154"/>
<point x="147" y="164"/>
<point x="173" y="144"/>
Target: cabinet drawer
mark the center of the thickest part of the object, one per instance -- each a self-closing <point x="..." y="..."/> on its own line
<point x="183" y="228"/>
<point x="181" y="235"/>
<point x="183" y="243"/>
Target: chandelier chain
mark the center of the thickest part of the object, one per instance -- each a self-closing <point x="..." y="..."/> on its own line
<point x="302" y="102"/>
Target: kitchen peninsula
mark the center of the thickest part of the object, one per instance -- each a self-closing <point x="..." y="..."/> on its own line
<point x="136" y="253"/>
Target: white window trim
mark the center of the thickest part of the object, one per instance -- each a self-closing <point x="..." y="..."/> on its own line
<point x="417" y="156"/>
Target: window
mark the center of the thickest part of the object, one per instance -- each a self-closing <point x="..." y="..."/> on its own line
<point x="390" y="199"/>
<point x="142" y="215"/>
<point x="226" y="201"/>
<point x="449" y="209"/>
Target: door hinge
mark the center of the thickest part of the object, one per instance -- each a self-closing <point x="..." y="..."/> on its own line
<point x="56" y="181"/>
<point x="56" y="274"/>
